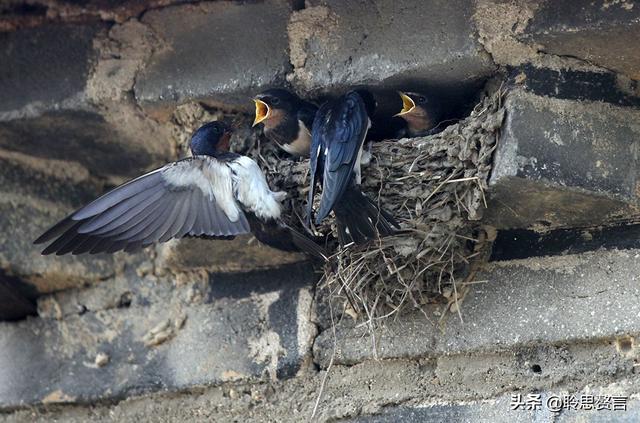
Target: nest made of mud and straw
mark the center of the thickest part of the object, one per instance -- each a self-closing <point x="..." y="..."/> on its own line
<point x="435" y="187"/>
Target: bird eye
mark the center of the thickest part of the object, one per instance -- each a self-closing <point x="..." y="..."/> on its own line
<point x="275" y="101"/>
<point x="422" y="100"/>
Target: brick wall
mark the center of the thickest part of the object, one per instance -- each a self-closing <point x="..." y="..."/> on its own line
<point x="94" y="92"/>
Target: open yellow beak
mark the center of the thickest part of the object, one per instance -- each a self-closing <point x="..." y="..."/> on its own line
<point x="263" y="111"/>
<point x="407" y="104"/>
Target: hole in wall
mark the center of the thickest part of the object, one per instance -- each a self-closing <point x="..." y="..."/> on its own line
<point x="125" y="300"/>
<point x="17" y="298"/>
<point x="452" y="101"/>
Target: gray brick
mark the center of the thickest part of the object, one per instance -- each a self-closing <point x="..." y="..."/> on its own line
<point x="203" y="333"/>
<point x="600" y="32"/>
<point x="207" y="57"/>
<point x="499" y="411"/>
<point x="237" y="255"/>
<point x="22" y="220"/>
<point x="45" y="66"/>
<point x="564" y="163"/>
<point x="495" y="410"/>
<point x="46" y="110"/>
<point x="524" y="302"/>
<point x="403" y="43"/>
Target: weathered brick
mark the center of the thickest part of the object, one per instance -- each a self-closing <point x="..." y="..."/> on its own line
<point x="500" y="410"/>
<point x="601" y="32"/>
<point x="207" y="57"/>
<point x="537" y="301"/>
<point x="238" y="255"/>
<point x="400" y="44"/>
<point x="248" y="327"/>
<point x="50" y="108"/>
<point x="40" y="70"/>
<point x="22" y="220"/>
<point x="564" y="163"/>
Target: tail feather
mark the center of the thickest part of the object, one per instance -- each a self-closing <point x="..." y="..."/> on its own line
<point x="359" y="219"/>
<point x="281" y="236"/>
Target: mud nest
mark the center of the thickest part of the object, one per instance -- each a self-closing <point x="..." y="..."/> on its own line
<point x="435" y="187"/>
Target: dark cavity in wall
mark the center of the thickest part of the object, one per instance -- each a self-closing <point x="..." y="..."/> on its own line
<point x="17" y="298"/>
<point x="521" y="243"/>
<point x="451" y="104"/>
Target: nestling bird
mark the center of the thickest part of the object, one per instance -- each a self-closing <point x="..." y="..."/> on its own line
<point x="214" y="193"/>
<point x="286" y="119"/>
<point x="339" y="131"/>
<point x="420" y="113"/>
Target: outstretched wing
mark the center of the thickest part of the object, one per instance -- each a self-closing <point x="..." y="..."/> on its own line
<point x="194" y="196"/>
<point x="341" y="129"/>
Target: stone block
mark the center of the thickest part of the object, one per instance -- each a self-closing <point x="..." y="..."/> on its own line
<point x="241" y="254"/>
<point x="49" y="111"/>
<point x="405" y="44"/>
<point x="22" y="220"/>
<point x="40" y="71"/>
<point x="250" y="327"/>
<point x="600" y="32"/>
<point x="563" y="163"/>
<point x="221" y="53"/>
<point x="522" y="303"/>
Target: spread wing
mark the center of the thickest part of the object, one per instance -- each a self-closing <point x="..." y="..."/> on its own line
<point x="339" y="129"/>
<point x="194" y="196"/>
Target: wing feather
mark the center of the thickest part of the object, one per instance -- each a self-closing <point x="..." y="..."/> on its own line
<point x="195" y="196"/>
<point x="339" y="131"/>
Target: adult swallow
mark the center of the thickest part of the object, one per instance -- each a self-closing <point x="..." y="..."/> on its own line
<point x="214" y="193"/>
<point x="420" y="113"/>
<point x="339" y="130"/>
<point x="286" y="119"/>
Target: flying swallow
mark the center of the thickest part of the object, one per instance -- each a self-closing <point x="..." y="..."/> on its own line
<point x="339" y="130"/>
<point x="286" y="119"/>
<point x="213" y="193"/>
<point x="420" y="113"/>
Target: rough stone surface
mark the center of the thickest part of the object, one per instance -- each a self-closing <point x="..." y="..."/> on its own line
<point x="40" y="70"/>
<point x="571" y="293"/>
<point x="206" y="57"/>
<point x="203" y="333"/>
<point x="53" y="107"/>
<point x="563" y="163"/>
<point x="399" y="44"/>
<point x="24" y="221"/>
<point x="375" y="391"/>
<point x="599" y="32"/>
<point x="238" y="255"/>
<point x="95" y="92"/>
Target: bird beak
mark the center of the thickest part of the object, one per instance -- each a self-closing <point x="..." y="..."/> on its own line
<point x="263" y="111"/>
<point x="407" y="104"/>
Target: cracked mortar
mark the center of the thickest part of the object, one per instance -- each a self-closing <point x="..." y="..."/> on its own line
<point x="122" y="54"/>
<point x="499" y="23"/>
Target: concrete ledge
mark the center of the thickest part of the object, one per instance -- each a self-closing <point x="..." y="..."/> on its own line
<point x="204" y="333"/>
<point x="599" y="32"/>
<point x="564" y="163"/>
<point x="205" y="57"/>
<point x="400" y="44"/>
<point x="536" y="301"/>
